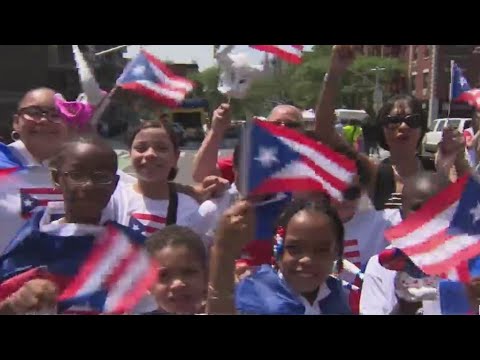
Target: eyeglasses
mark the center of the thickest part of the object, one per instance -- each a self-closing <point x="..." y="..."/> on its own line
<point x="352" y="193"/>
<point x="413" y="121"/>
<point x="97" y="178"/>
<point x="37" y="113"/>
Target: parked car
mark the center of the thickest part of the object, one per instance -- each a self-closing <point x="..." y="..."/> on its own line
<point x="433" y="137"/>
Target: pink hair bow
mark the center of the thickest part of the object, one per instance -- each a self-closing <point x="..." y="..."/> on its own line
<point x="76" y="113"/>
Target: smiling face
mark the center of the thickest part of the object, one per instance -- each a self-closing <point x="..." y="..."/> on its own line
<point x="153" y="154"/>
<point x="39" y="124"/>
<point x="310" y="250"/>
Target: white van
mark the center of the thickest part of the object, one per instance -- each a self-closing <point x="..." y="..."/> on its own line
<point x="432" y="138"/>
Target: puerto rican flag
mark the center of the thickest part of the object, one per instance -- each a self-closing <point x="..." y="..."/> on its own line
<point x="9" y="163"/>
<point x="146" y="224"/>
<point x="150" y="77"/>
<point x="289" y="53"/>
<point x="442" y="238"/>
<point x="460" y="89"/>
<point x="277" y="159"/>
<point x="116" y="275"/>
<point x="34" y="199"/>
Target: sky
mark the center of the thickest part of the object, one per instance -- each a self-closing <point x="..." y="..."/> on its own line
<point x="202" y="54"/>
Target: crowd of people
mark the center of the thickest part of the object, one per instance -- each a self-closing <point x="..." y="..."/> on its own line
<point x="319" y="258"/>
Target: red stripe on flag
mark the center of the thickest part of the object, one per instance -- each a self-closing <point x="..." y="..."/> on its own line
<point x="164" y="68"/>
<point x="282" y="131"/>
<point x="274" y="185"/>
<point x="131" y="298"/>
<point x="351" y="254"/>
<point x="142" y="90"/>
<point x="327" y="176"/>
<point x="281" y="53"/>
<point x="457" y="258"/>
<point x="348" y="243"/>
<point x="120" y="268"/>
<point x="441" y="202"/>
<point x="430" y="244"/>
<point x="149" y="217"/>
<point x="463" y="272"/>
<point x="89" y="267"/>
<point x="151" y="229"/>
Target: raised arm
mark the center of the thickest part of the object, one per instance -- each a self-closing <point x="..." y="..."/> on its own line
<point x="235" y="230"/>
<point x="342" y="57"/>
<point x="205" y="162"/>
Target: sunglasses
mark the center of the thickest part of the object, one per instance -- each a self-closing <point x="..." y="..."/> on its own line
<point x="36" y="113"/>
<point x="413" y="121"/>
<point x="352" y="193"/>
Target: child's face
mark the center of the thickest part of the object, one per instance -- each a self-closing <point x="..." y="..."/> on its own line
<point x="182" y="281"/>
<point x="88" y="179"/>
<point x="153" y="155"/>
<point x="309" y="251"/>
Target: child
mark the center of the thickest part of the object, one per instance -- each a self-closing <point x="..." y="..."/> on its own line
<point x="182" y="279"/>
<point x="387" y="292"/>
<point x="48" y="251"/>
<point x="308" y="242"/>
<point x="152" y="202"/>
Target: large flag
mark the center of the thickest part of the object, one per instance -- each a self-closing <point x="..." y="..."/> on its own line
<point x="277" y="159"/>
<point x="9" y="163"/>
<point x="150" y="77"/>
<point x="443" y="236"/>
<point x="460" y="89"/>
<point x="290" y="53"/>
<point x="116" y="275"/>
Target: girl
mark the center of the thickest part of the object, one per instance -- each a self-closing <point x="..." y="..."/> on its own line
<point x="401" y="125"/>
<point x="308" y="242"/>
<point x="182" y="279"/>
<point x="152" y="202"/>
<point x="47" y="251"/>
<point x="39" y="132"/>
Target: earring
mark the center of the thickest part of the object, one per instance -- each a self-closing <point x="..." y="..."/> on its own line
<point x="15" y="135"/>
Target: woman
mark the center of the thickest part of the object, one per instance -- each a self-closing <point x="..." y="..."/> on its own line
<point x="401" y="126"/>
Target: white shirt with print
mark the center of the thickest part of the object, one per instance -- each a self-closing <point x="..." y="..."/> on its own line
<point x="146" y="215"/>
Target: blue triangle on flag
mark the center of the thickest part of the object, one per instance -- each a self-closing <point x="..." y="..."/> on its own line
<point x="467" y="215"/>
<point x="268" y="155"/>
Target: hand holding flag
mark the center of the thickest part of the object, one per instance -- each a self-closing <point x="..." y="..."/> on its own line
<point x="277" y="159"/>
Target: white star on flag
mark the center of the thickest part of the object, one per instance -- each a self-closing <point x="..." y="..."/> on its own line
<point x="267" y="156"/>
<point x="135" y="228"/>
<point x="27" y="202"/>
<point x="139" y="70"/>
<point x="475" y="213"/>
<point x="463" y="81"/>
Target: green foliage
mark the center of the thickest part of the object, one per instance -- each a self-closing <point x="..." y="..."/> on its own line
<point x="301" y="84"/>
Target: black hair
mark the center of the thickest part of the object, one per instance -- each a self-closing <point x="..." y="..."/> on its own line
<point x="413" y="103"/>
<point x="175" y="235"/>
<point x="31" y="91"/>
<point x="156" y="124"/>
<point x="65" y="151"/>
<point x="321" y="206"/>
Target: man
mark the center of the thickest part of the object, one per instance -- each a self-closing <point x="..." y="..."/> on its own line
<point x="206" y="161"/>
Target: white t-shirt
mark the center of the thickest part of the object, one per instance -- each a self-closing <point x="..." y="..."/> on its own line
<point x="364" y="236"/>
<point x="23" y="192"/>
<point x="28" y="190"/>
<point x="379" y="292"/>
<point x="147" y="215"/>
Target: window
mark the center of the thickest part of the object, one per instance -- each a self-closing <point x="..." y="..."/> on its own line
<point x="413" y="82"/>
<point x="440" y="125"/>
<point x="414" y="52"/>
<point x="454" y="124"/>
<point x="426" y="80"/>
<point x="426" y="50"/>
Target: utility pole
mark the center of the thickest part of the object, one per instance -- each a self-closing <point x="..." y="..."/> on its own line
<point x="433" y="101"/>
